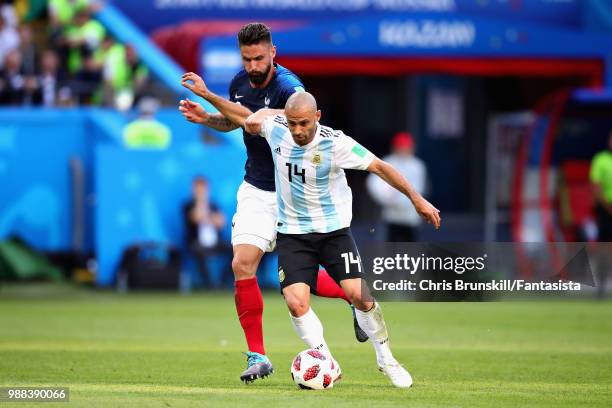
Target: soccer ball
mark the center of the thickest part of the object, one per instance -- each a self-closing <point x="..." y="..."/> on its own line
<point x="313" y="370"/>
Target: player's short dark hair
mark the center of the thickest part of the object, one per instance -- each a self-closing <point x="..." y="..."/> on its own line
<point x="254" y="33"/>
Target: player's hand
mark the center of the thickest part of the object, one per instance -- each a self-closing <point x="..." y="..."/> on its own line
<point x="197" y="84"/>
<point x="193" y="112"/>
<point x="429" y="213"/>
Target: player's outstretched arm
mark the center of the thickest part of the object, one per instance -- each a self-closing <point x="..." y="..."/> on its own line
<point x="394" y="178"/>
<point x="254" y="122"/>
<point x="235" y="112"/>
<point x="195" y="113"/>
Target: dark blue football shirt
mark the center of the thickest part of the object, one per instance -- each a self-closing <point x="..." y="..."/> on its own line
<point x="259" y="166"/>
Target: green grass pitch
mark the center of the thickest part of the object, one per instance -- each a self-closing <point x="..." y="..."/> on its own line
<point x="166" y="350"/>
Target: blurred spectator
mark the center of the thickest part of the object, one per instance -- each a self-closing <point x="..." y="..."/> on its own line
<point x="88" y="82"/>
<point x="146" y="131"/>
<point x="7" y="11"/>
<point x="50" y="80"/>
<point x="9" y="38"/>
<point x="203" y="221"/>
<point x="28" y="50"/>
<point x="30" y="10"/>
<point x="601" y="177"/>
<point x="108" y="46"/>
<point x="15" y="87"/>
<point x="398" y="213"/>
<point x="81" y="39"/>
<point x="62" y="12"/>
<point x="125" y="76"/>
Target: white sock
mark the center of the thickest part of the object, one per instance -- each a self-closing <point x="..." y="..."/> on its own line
<point x="309" y="328"/>
<point x="373" y="323"/>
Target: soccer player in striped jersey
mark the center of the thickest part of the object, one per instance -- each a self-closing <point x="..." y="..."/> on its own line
<point x="314" y="204"/>
<point x="262" y="83"/>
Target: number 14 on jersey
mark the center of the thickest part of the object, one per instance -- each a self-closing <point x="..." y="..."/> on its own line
<point x="349" y="259"/>
<point x="296" y="172"/>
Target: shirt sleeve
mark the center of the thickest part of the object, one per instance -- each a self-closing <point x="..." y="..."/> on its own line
<point x="595" y="173"/>
<point x="266" y="127"/>
<point x="349" y="154"/>
<point x="289" y="89"/>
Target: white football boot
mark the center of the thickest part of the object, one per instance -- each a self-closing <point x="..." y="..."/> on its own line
<point x="396" y="373"/>
<point x="337" y="371"/>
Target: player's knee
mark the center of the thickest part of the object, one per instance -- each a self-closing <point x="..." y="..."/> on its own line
<point x="243" y="267"/>
<point x="297" y="306"/>
<point x="359" y="300"/>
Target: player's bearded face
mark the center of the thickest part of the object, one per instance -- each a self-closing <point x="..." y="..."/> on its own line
<point x="257" y="61"/>
<point x="259" y="77"/>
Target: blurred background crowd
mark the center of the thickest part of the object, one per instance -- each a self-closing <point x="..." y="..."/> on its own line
<point x="55" y="54"/>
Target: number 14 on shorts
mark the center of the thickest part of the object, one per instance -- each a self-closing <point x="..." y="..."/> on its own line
<point x="350" y="258"/>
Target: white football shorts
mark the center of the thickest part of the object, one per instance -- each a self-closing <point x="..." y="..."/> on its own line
<point x="254" y="222"/>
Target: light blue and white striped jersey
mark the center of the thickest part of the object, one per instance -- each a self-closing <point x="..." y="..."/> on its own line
<point x="311" y="187"/>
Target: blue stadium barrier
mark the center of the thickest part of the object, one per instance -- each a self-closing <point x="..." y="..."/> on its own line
<point x="36" y="147"/>
<point x="131" y="195"/>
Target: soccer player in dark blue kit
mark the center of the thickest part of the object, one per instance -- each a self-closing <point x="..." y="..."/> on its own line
<point x="261" y="84"/>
